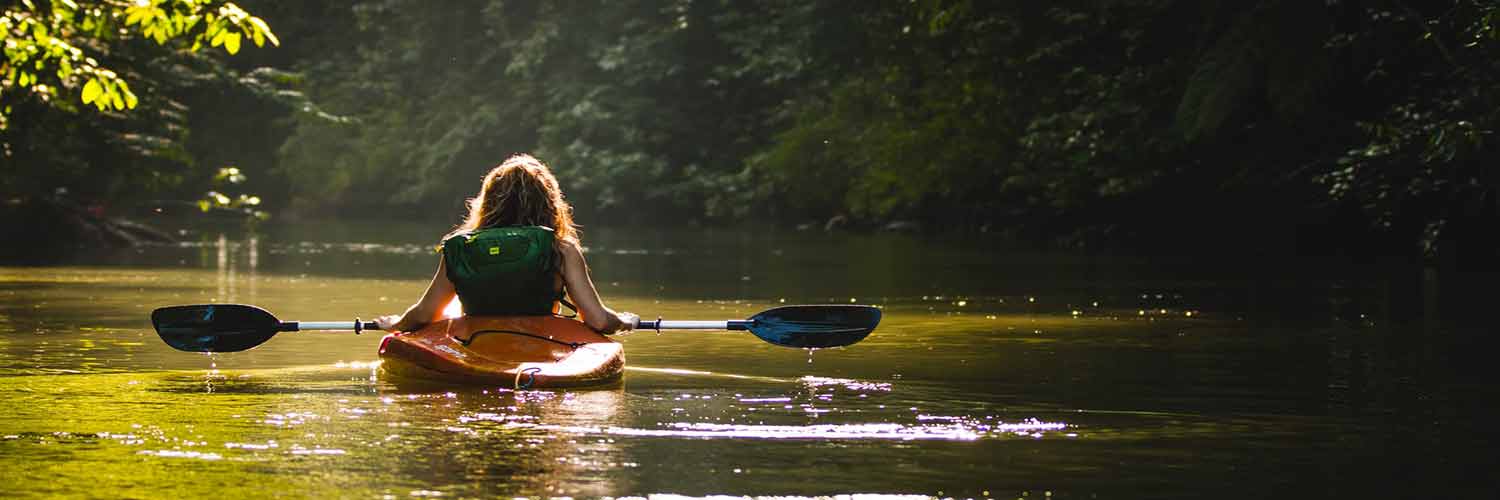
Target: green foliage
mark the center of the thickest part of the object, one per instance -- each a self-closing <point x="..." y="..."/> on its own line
<point x="43" y="39"/>
<point x="1422" y="162"/>
<point x="242" y="203"/>
<point x="1062" y="121"/>
<point x="137" y="64"/>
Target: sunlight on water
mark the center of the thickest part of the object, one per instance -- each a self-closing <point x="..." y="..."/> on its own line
<point x="954" y="432"/>
<point x="850" y="384"/>
<point x="182" y="454"/>
<point x="971" y="388"/>
<point x="861" y="496"/>
<point x="702" y="373"/>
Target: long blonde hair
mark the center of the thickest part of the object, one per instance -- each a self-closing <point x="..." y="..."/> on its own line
<point x="520" y="192"/>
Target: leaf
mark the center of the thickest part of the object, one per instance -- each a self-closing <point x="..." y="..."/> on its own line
<point x="130" y="98"/>
<point x="232" y="43"/>
<point x="91" y="91"/>
<point x="137" y="14"/>
<point x="261" y="29"/>
<point x="116" y="100"/>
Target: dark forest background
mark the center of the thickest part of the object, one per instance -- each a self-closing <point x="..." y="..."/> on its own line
<point x="1279" y="126"/>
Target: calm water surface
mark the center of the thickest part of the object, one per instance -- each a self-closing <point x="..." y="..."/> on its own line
<point x="995" y="374"/>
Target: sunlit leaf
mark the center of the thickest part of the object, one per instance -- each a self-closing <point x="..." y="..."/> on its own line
<point x="232" y="43"/>
<point x="137" y="14"/>
<point x="262" y="30"/>
<point x="91" y="91"/>
<point x="130" y="98"/>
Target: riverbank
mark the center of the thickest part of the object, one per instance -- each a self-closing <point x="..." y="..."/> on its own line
<point x="49" y="230"/>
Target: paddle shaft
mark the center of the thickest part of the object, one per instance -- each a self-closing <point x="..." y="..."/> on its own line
<point x="301" y="326"/>
<point x="737" y="325"/>
<point x="732" y="325"/>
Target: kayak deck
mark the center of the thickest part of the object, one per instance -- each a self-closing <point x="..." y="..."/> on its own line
<point x="520" y="352"/>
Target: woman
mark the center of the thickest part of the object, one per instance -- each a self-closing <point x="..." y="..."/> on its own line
<point x="516" y="254"/>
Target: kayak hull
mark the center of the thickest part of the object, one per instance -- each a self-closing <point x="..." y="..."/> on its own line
<point x="523" y="352"/>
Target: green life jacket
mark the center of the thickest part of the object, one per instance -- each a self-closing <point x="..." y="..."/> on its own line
<point x="503" y="271"/>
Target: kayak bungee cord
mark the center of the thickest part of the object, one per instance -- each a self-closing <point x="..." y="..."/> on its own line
<point x="475" y="335"/>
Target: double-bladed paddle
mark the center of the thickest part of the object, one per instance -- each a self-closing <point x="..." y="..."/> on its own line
<point x="237" y="327"/>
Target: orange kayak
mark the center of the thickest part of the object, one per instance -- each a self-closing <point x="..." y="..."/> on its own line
<point x="522" y="352"/>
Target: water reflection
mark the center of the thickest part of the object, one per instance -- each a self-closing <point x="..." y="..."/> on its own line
<point x="471" y="435"/>
<point x="1079" y="376"/>
<point x="228" y="255"/>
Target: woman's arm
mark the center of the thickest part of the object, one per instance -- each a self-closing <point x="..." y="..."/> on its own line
<point x="581" y="288"/>
<point x="428" y="309"/>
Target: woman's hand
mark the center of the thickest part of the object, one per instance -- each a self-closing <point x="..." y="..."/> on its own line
<point x="628" y="321"/>
<point x="388" y="322"/>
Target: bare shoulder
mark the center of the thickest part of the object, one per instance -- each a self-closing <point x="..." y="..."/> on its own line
<point x="570" y="251"/>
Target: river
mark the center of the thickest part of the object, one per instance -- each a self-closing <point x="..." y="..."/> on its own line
<point x="996" y="373"/>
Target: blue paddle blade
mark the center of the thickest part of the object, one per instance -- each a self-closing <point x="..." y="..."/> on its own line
<point x="214" y="327"/>
<point x="815" y="326"/>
